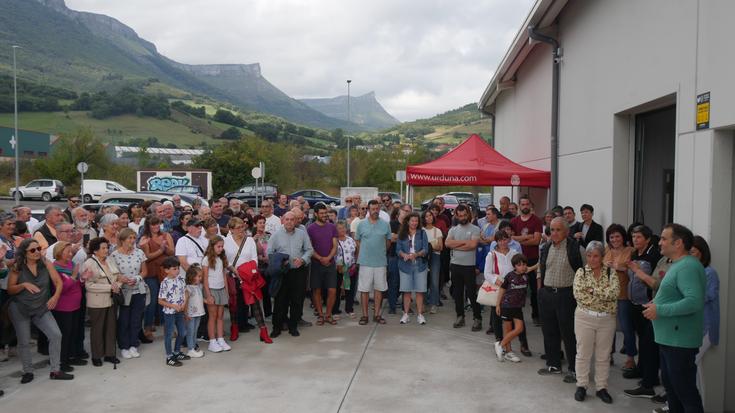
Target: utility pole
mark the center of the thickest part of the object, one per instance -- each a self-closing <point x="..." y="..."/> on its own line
<point x="349" y="119"/>
<point x="15" y="137"/>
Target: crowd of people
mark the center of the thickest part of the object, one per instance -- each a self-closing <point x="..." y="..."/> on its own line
<point x="122" y="272"/>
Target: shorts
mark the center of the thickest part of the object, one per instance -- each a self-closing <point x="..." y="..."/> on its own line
<point x="509" y="314"/>
<point x="413" y="282"/>
<point x="371" y="278"/>
<point x="219" y="295"/>
<point x="321" y="276"/>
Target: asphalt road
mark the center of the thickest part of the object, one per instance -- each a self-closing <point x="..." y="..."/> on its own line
<point x="7" y="203"/>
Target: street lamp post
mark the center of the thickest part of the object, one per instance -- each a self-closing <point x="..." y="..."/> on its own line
<point x="15" y="137"/>
<point x="349" y="119"/>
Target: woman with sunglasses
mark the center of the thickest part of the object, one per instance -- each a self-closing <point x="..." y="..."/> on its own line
<point x="29" y="283"/>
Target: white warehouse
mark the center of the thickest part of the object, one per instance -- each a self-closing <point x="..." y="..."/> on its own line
<point x="646" y="125"/>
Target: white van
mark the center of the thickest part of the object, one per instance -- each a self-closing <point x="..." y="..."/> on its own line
<point x="94" y="188"/>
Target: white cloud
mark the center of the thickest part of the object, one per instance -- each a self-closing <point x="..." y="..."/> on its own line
<point x="421" y="57"/>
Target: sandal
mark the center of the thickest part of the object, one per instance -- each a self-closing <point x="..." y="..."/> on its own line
<point x="320" y="321"/>
<point x="363" y="321"/>
<point x="331" y="321"/>
<point x="378" y="319"/>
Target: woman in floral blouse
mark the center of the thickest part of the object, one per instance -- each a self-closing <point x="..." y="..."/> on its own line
<point x="596" y="290"/>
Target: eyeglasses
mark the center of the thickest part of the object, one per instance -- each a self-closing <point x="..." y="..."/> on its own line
<point x="32" y="250"/>
<point x="363" y="208"/>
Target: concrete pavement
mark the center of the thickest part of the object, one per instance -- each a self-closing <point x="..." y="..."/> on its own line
<point x="343" y="368"/>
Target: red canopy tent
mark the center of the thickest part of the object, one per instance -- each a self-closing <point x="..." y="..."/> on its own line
<point x="475" y="163"/>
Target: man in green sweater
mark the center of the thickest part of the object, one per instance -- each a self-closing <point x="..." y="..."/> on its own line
<point x="677" y="315"/>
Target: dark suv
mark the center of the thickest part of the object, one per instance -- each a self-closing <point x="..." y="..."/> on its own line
<point x="248" y="193"/>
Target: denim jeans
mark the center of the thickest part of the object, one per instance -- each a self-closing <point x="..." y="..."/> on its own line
<point x="394" y="282"/>
<point x="625" y="318"/>
<point x="191" y="332"/>
<point x="128" y="322"/>
<point x="47" y="324"/>
<point x="434" y="272"/>
<point x="150" y="311"/>
<point x="169" y="322"/>
<point x="679" y="374"/>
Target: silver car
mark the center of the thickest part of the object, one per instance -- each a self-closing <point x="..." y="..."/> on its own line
<point x="46" y="189"/>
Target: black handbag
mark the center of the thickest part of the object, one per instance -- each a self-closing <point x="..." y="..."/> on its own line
<point x="118" y="298"/>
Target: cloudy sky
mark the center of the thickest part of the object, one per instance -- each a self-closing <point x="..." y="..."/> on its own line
<point x="421" y="57"/>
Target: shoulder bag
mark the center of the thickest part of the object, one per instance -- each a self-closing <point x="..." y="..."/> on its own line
<point x="118" y="298"/>
<point x="487" y="294"/>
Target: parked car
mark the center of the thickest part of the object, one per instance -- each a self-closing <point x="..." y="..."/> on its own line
<point x="126" y="198"/>
<point x="248" y="193"/>
<point x="46" y="189"/>
<point x="450" y="202"/>
<point x="94" y="188"/>
<point x="187" y="189"/>
<point x="483" y="201"/>
<point x="395" y="196"/>
<point x="312" y="196"/>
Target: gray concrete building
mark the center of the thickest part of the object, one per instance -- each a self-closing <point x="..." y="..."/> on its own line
<point x="646" y="125"/>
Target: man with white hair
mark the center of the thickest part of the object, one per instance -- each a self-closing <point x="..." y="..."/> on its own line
<point x="176" y="199"/>
<point x="167" y="216"/>
<point x="560" y="259"/>
<point x="80" y="220"/>
<point x="65" y="233"/>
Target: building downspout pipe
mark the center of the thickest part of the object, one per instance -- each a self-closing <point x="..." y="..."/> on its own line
<point x="556" y="53"/>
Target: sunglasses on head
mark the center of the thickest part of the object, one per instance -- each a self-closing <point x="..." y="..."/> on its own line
<point x="32" y="250"/>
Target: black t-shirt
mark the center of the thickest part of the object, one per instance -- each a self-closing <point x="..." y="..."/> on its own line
<point x="394" y="227"/>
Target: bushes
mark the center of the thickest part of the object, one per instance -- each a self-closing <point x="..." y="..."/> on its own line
<point x="125" y="101"/>
<point x="225" y="116"/>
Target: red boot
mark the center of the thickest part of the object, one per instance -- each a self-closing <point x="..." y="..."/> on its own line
<point x="234" y="334"/>
<point x="264" y="335"/>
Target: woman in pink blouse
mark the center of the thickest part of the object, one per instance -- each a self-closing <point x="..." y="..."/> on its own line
<point x="68" y="309"/>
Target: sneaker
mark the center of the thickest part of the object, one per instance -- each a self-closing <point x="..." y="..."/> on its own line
<point x="195" y="354"/>
<point x="404" y="318"/>
<point x="662" y="409"/>
<point x="659" y="398"/>
<point x="181" y="356"/>
<point x="171" y="361"/>
<point x="126" y="354"/>
<point x="498" y="351"/>
<point x="570" y="377"/>
<point x="641" y="392"/>
<point x="510" y="356"/>
<point x="432" y="310"/>
<point x="549" y="370"/>
<point x="214" y="346"/>
<point x="134" y="352"/>
<point x="223" y="344"/>
<point x="421" y="319"/>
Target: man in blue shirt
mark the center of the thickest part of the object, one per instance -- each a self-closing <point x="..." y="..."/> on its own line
<point x="373" y="239"/>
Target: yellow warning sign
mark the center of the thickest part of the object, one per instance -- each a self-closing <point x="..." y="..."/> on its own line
<point x="703" y="106"/>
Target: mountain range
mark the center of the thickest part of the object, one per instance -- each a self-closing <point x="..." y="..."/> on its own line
<point x="85" y="51"/>
<point x="364" y="110"/>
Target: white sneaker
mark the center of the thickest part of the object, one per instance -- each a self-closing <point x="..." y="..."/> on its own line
<point x="214" y="346"/>
<point x="134" y="352"/>
<point x="498" y="351"/>
<point x="432" y="310"/>
<point x="510" y="356"/>
<point x="126" y="354"/>
<point x="421" y="319"/>
<point x="223" y="344"/>
<point x="195" y="354"/>
<point x="404" y="318"/>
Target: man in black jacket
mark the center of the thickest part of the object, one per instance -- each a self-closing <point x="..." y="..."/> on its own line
<point x="587" y="230"/>
<point x="559" y="261"/>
